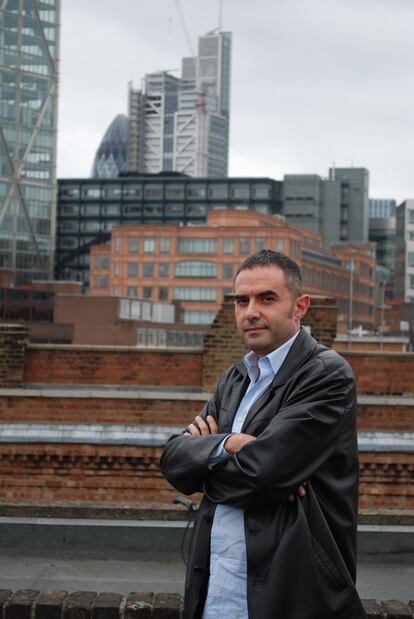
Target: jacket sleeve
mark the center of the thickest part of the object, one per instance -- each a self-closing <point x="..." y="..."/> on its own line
<point x="185" y="461"/>
<point x="295" y="443"/>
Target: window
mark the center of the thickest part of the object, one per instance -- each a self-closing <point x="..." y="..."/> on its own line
<point x="244" y="247"/>
<point x="174" y="191"/>
<point x="148" y="269"/>
<point x="260" y="244"/>
<point x="196" y="209"/>
<point x="116" y="269"/>
<point x="195" y="294"/>
<point x="92" y="192"/>
<point x="164" y="245"/>
<point x="149" y="245"/>
<point x="197" y="246"/>
<point x="279" y="245"/>
<point x="228" y="246"/>
<point x="410" y="259"/>
<point x="147" y="292"/>
<point x="132" y="291"/>
<point x="240" y="191"/>
<point x="117" y="245"/>
<point x="261" y="191"/>
<point x="198" y="317"/>
<point x="227" y="271"/>
<point x="101" y="262"/>
<point x="101" y="282"/>
<point x="133" y="191"/>
<point x="132" y="245"/>
<point x="196" y="191"/>
<point x="153" y="192"/>
<point x="218" y="190"/>
<point x="162" y="293"/>
<point x="132" y="269"/>
<point x="411" y="216"/>
<point x="195" y="268"/>
<point x="163" y="269"/>
<point x="228" y="292"/>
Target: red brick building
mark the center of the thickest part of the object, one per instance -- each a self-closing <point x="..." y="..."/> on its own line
<point x="196" y="264"/>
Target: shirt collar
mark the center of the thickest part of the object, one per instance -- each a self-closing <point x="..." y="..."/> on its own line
<point x="255" y="364"/>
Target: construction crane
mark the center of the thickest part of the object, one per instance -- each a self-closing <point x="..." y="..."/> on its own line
<point x="184" y="27"/>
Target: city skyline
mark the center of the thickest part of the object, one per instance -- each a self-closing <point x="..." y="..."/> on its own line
<point x="311" y="85"/>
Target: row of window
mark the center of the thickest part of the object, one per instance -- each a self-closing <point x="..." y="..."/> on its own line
<point x="182" y="293"/>
<point x="198" y="246"/>
<point x="173" y="191"/>
<point x="192" y="268"/>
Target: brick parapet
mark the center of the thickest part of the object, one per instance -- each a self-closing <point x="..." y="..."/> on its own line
<point x="13" y="342"/>
<point x="60" y="365"/>
<point x="51" y="604"/>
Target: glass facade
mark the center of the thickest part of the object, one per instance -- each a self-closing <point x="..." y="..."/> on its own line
<point x="28" y="100"/>
<point x="112" y="153"/>
<point x="100" y="204"/>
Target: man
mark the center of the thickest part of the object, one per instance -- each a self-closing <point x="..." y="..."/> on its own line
<point x="275" y="453"/>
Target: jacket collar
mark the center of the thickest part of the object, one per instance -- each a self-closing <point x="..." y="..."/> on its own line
<point x="302" y="348"/>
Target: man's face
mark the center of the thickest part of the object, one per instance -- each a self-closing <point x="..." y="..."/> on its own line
<point x="266" y="313"/>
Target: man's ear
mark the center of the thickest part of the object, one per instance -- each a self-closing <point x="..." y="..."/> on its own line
<point x="301" y="306"/>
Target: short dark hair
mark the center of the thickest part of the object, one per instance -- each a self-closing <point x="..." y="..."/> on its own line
<point x="269" y="258"/>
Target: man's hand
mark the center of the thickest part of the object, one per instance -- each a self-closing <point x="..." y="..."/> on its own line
<point x="300" y="492"/>
<point x="200" y="427"/>
<point x="236" y="442"/>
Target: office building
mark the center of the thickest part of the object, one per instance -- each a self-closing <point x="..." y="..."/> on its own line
<point x="111" y="156"/>
<point x="336" y="208"/>
<point x="380" y="208"/>
<point x="88" y="209"/>
<point x="196" y="264"/>
<point x="182" y="123"/>
<point x="29" y="35"/>
<point x="382" y="232"/>
<point x="404" y="253"/>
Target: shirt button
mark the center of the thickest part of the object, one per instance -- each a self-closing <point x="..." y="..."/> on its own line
<point x="215" y="557"/>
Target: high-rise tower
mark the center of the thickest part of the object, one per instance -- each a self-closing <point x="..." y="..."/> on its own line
<point x="182" y="124"/>
<point x="28" y="99"/>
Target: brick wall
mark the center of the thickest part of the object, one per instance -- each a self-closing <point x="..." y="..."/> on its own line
<point x="111" y="366"/>
<point x="33" y="604"/>
<point x="50" y="473"/>
<point x="386" y="481"/>
<point x="87" y="409"/>
<point x="171" y="409"/>
<point x="383" y="373"/>
<point x="13" y="341"/>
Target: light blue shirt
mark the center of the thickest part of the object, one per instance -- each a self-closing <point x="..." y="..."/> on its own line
<point x="227" y="587"/>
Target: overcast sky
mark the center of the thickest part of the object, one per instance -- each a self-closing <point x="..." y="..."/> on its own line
<point x="313" y="81"/>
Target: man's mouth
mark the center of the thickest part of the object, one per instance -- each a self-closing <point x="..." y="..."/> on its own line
<point x="253" y="329"/>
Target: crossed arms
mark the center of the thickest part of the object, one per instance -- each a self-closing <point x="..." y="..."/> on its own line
<point x="298" y="439"/>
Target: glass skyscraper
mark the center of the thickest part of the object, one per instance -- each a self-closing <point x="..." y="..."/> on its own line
<point x="29" y="32"/>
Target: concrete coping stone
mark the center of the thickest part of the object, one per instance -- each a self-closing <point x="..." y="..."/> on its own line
<point x="106" y="392"/>
<point x="164" y="512"/>
<point x="159" y="393"/>
<point x="148" y="435"/>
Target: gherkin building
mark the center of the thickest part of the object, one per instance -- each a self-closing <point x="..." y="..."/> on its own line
<point x="111" y="156"/>
<point x="29" y="40"/>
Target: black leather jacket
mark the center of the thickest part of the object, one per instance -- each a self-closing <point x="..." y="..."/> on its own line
<point x="301" y="554"/>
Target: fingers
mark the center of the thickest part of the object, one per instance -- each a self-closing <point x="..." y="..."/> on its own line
<point x="301" y="491"/>
<point x="200" y="427"/>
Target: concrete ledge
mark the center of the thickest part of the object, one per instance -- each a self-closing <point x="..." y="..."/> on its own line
<point x="105" y="393"/>
<point x="34" y="604"/>
<point x="157" y="393"/>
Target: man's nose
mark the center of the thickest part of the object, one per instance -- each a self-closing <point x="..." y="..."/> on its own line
<point x="252" y="309"/>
